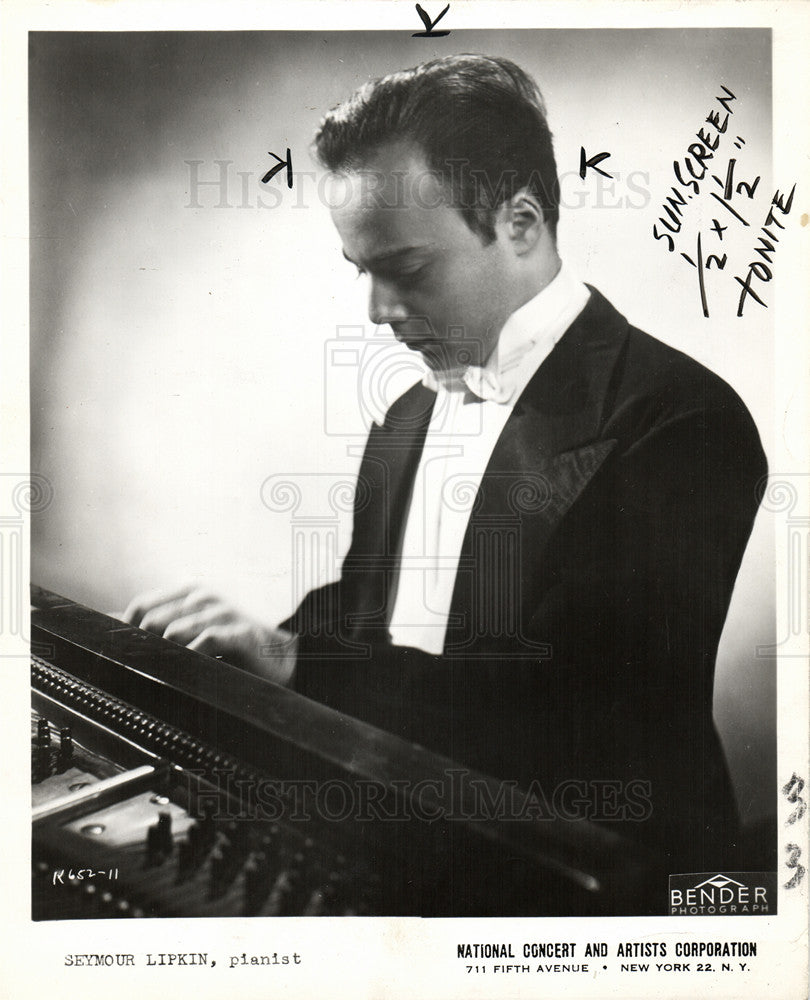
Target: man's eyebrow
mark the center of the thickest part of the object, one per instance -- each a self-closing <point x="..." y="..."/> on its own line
<point x="389" y="254"/>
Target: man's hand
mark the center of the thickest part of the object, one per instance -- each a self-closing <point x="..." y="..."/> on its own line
<point x="195" y="618"/>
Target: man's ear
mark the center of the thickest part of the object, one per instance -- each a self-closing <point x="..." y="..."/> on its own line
<point x="523" y="221"/>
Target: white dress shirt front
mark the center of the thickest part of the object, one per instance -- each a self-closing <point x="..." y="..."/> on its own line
<point x="458" y="445"/>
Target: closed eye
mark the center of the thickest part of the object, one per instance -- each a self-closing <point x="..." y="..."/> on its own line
<point x="409" y="278"/>
<point x="360" y="270"/>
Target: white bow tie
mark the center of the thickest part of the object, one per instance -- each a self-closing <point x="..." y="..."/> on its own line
<point x="483" y="383"/>
<point x="487" y="385"/>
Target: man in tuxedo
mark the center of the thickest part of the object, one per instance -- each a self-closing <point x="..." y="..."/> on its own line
<point x="548" y="528"/>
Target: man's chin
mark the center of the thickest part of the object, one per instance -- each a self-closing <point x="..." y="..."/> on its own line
<point x="433" y="359"/>
<point x="433" y="354"/>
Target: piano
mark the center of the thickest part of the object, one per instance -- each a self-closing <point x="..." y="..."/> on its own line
<point x="168" y="783"/>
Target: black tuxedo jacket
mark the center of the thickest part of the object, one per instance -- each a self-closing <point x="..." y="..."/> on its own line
<point x="596" y="573"/>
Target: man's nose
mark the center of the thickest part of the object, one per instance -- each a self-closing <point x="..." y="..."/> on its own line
<point x="384" y="305"/>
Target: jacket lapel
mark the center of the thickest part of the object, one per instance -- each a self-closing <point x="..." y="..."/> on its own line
<point x="384" y="487"/>
<point x="546" y="455"/>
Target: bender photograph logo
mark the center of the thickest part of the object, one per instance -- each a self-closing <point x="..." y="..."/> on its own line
<point x="737" y="894"/>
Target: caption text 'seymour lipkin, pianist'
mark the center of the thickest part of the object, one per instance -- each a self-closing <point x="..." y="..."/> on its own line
<point x="624" y="470"/>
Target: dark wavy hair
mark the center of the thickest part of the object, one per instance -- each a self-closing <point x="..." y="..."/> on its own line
<point x="480" y="122"/>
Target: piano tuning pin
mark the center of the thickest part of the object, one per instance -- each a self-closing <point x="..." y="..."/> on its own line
<point x="65" y="749"/>
<point x="257" y="882"/>
<point x="165" y="837"/>
<point x="194" y="836"/>
<point x="280" y="898"/>
<point x="218" y="882"/>
<point x="159" y="840"/>
<point x="43" y="733"/>
<point x="268" y="846"/>
<point x="316" y="904"/>
<point x="153" y="854"/>
<point x="163" y="775"/>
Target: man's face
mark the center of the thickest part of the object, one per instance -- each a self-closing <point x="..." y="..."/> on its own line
<point x="442" y="292"/>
